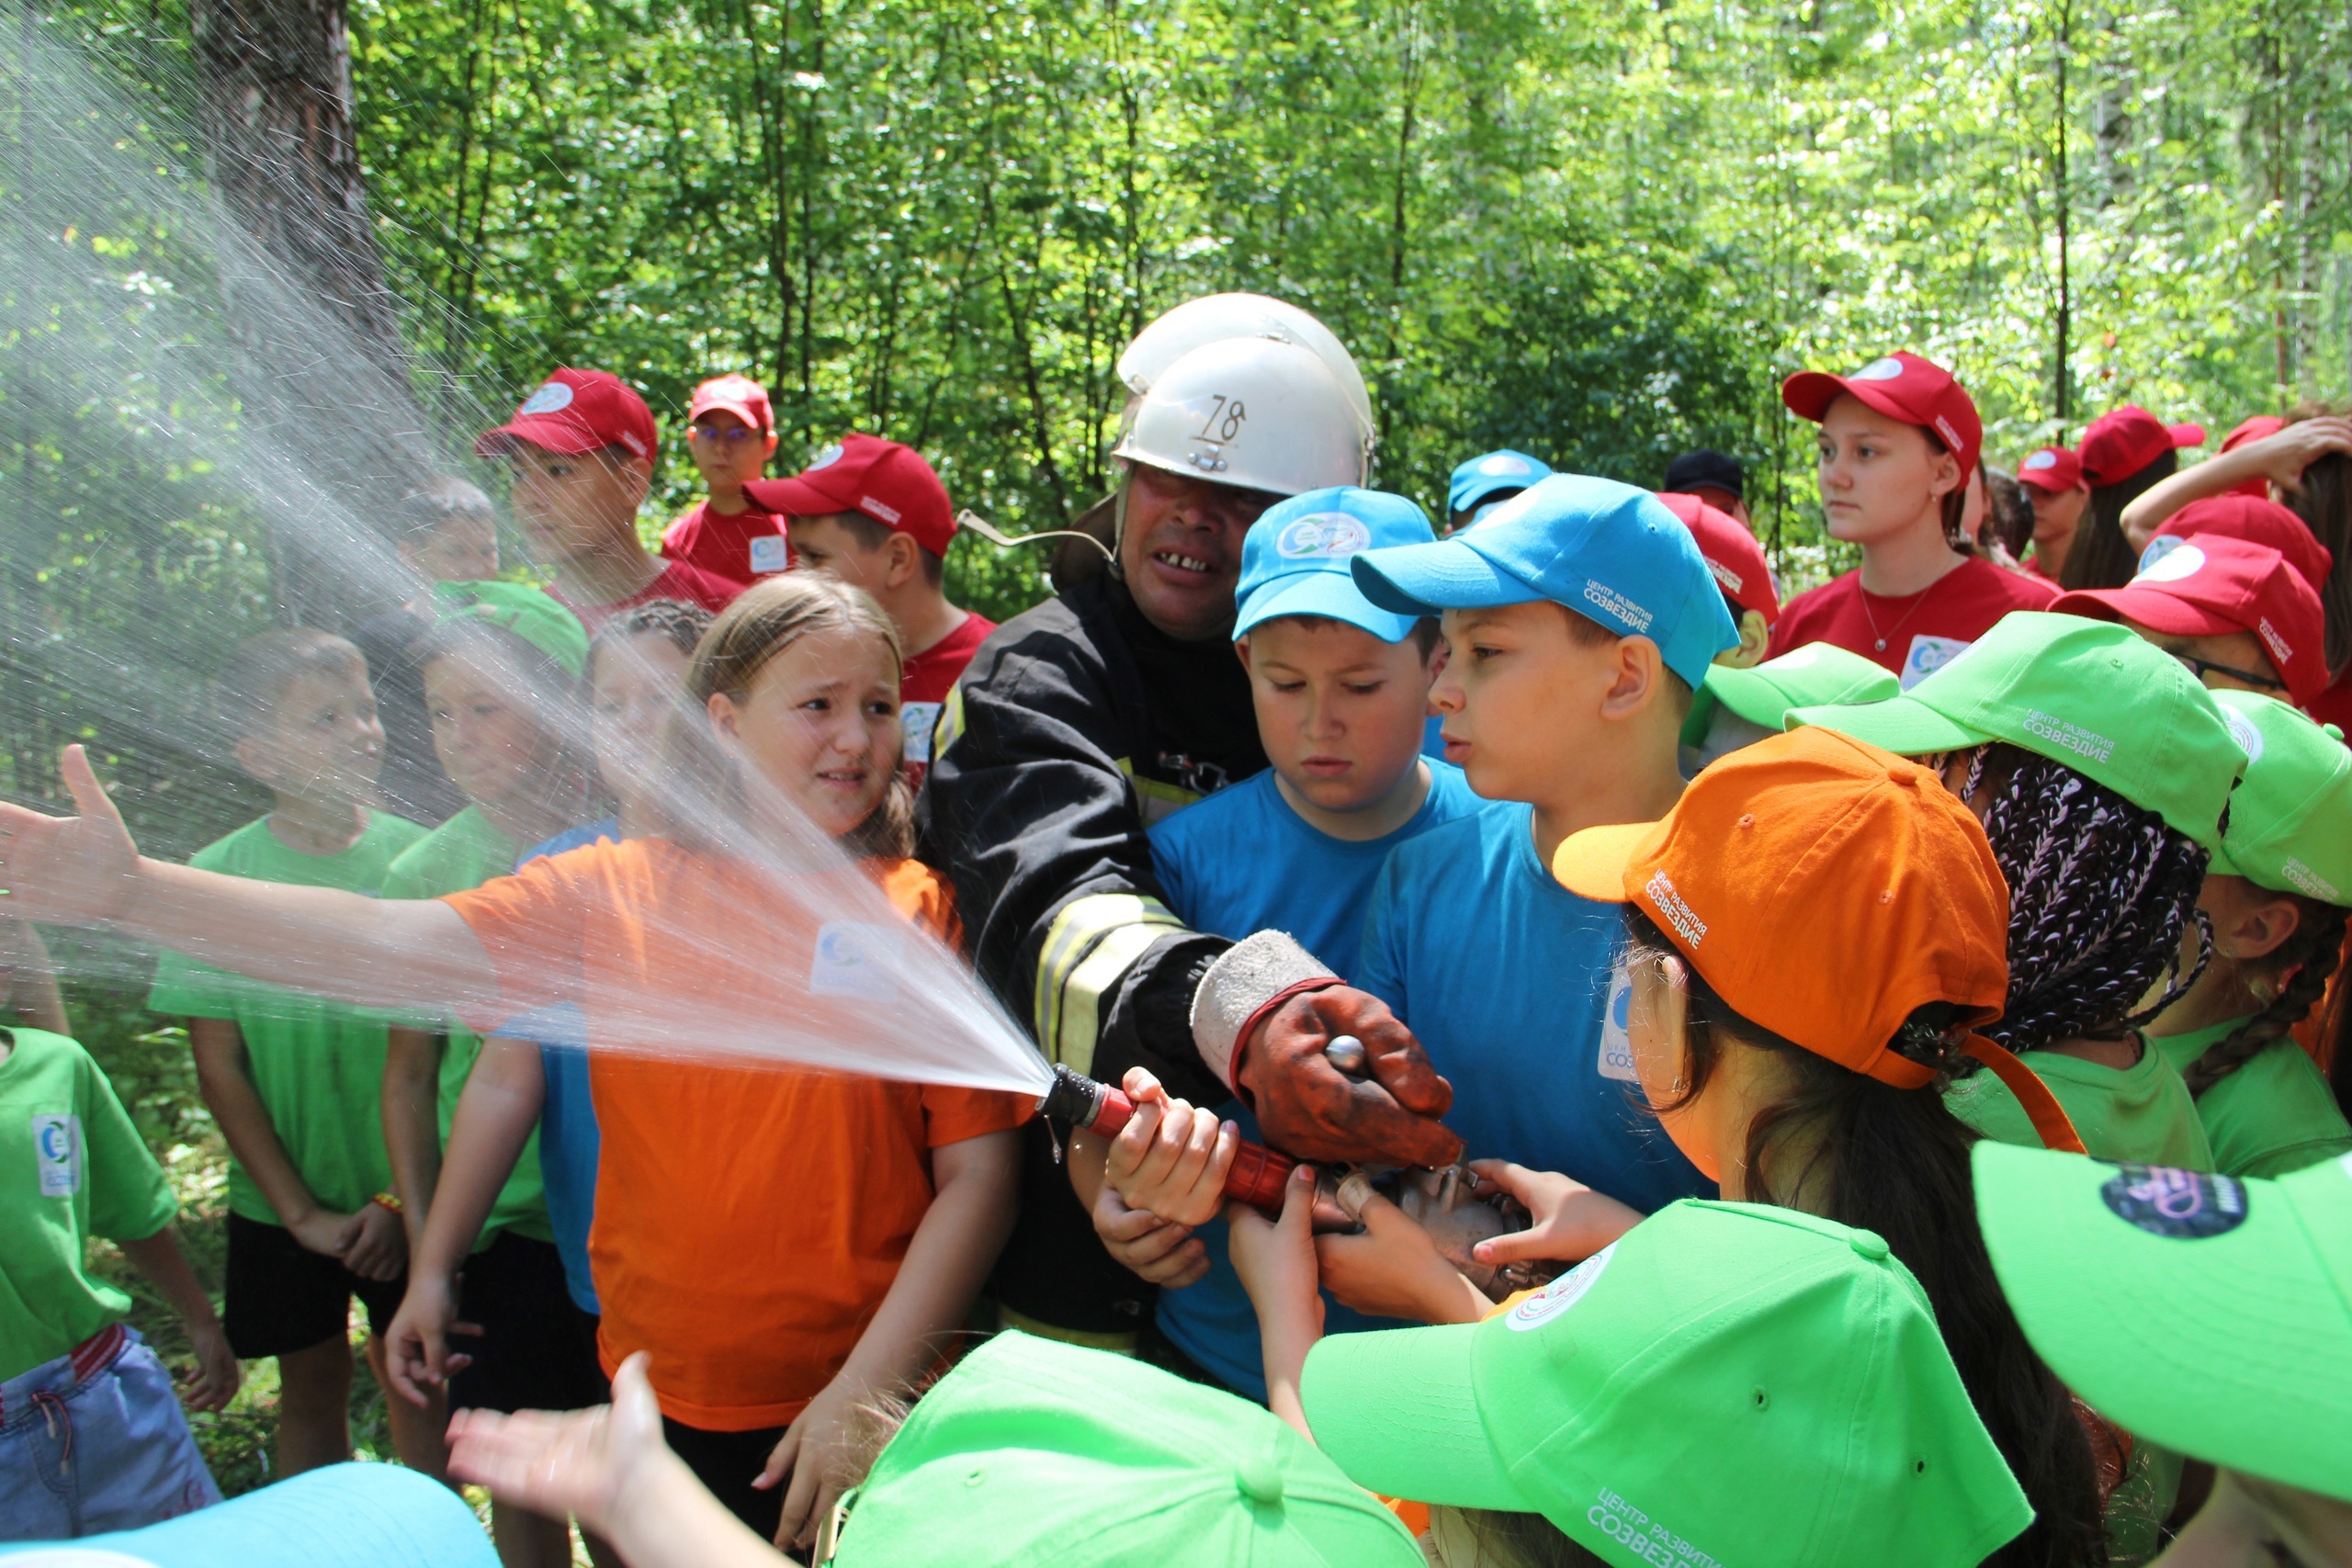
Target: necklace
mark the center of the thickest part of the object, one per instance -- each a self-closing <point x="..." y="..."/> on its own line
<point x="1916" y="600"/>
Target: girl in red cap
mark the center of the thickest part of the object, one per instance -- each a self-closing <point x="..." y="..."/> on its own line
<point x="2125" y="453"/>
<point x="1899" y="439"/>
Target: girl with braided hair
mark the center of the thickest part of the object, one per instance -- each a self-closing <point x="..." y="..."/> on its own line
<point x="2276" y="898"/>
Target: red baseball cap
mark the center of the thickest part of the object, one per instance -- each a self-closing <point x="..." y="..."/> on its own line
<point x="1731" y="553"/>
<point x="1900" y="386"/>
<point x="575" y="412"/>
<point x="738" y="395"/>
<point x="2260" y="428"/>
<point x="2213" y="585"/>
<point x="2053" y="469"/>
<point x="2124" y="441"/>
<point x="2258" y="519"/>
<point x="883" y="480"/>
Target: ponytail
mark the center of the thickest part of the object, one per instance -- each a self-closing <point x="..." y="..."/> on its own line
<point x="2309" y="958"/>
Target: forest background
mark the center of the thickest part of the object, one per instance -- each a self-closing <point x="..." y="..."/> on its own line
<point x="1600" y="233"/>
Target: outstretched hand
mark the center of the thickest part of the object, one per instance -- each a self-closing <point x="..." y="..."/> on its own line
<point x="1394" y="1270"/>
<point x="1569" y="1221"/>
<point x="588" y="1462"/>
<point x="73" y="871"/>
<point x="1310" y="1109"/>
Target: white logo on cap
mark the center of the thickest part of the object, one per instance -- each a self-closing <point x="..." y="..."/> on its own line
<point x="1952" y="438"/>
<point x="552" y="397"/>
<point x="1504" y="463"/>
<point x="1607" y="599"/>
<point x="1878" y="370"/>
<point x="1322" y="536"/>
<point x="1501" y="511"/>
<point x="1561" y="1294"/>
<point x="2310" y="881"/>
<point x="2278" y="649"/>
<point x="2245" y="732"/>
<point x="881" y="512"/>
<point x="825" y="458"/>
<point x="2184" y="559"/>
<point x="1724" y="575"/>
<point x="2083" y="742"/>
<point x="2042" y="460"/>
<point x="1687" y="926"/>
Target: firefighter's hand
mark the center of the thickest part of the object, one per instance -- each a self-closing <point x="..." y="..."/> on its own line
<point x="1310" y="1109"/>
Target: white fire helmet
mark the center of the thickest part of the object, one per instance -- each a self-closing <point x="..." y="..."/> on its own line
<point x="1255" y="413"/>
<point x="1177" y="332"/>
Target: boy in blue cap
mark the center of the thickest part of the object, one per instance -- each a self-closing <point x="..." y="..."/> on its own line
<point x="1339" y="686"/>
<point x="1484" y="482"/>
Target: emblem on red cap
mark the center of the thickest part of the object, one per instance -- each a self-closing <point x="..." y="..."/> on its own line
<point x="552" y="397"/>
<point x="1878" y="370"/>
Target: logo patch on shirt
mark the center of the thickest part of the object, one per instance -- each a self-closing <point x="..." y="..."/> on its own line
<point x="770" y="552"/>
<point x="1616" y="1041"/>
<point x="2183" y="1205"/>
<point x="1927" y="655"/>
<point x="1322" y="536"/>
<point x="1561" y="1294"/>
<point x="2073" y="737"/>
<point x="917" y="722"/>
<point x="57" y="1151"/>
<point x="552" y="397"/>
<point x="857" y="959"/>
<point x="1616" y="605"/>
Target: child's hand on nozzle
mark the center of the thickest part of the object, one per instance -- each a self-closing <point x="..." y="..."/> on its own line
<point x="1161" y="1251"/>
<point x="1394" y="1270"/>
<point x="1569" y="1221"/>
<point x="74" y="870"/>
<point x="599" y="1465"/>
<point x="1170" y="1159"/>
<point x="1276" y="1259"/>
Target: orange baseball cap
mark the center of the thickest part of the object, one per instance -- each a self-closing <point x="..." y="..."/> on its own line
<point x="1824" y="888"/>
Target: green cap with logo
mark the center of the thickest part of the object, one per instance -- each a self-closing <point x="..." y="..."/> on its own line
<point x="2209" y="1315"/>
<point x="2290" y="821"/>
<point x="2093" y="696"/>
<point x="1035" y="1451"/>
<point x="531" y="613"/>
<point x="1817" y="675"/>
<point x="1729" y="1384"/>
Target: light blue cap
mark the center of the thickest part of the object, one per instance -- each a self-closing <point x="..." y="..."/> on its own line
<point x="1295" y="559"/>
<point x="1483" y="476"/>
<point x="1611" y="553"/>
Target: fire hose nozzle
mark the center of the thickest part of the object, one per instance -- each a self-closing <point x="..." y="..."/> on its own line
<point x="1258" y="1172"/>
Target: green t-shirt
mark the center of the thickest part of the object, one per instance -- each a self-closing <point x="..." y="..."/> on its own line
<point x="318" y="1065"/>
<point x="2273" y="1115"/>
<point x="72" y="1167"/>
<point x="2142" y="1113"/>
<point x="464" y="853"/>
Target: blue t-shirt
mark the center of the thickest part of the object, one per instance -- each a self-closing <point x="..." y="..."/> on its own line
<point x="1242" y="861"/>
<point x="1434" y="738"/>
<point x="568" y="1141"/>
<point x="1516" y="987"/>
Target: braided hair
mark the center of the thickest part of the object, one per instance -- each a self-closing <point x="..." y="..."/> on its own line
<point x="676" y="621"/>
<point x="2308" y="959"/>
<point x="2100" y="891"/>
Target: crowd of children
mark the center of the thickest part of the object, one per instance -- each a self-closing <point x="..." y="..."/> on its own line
<point x="1773" y="966"/>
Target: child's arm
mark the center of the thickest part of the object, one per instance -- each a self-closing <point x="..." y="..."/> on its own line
<point x="976" y="1186"/>
<point x="369" y="1247"/>
<point x="32" y="995"/>
<point x="218" y="1373"/>
<point x="412" y="1112"/>
<point x="495" y="1113"/>
<point x="85" y="871"/>
<point x="1393" y="1270"/>
<point x="2280" y="458"/>
<point x="1277" y="1265"/>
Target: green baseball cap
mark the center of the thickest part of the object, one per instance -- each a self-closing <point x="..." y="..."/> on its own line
<point x="2119" y="711"/>
<point x="1035" y="1451"/>
<point x="530" y="613"/>
<point x="2290" y="821"/>
<point x="2205" y="1313"/>
<point x="1729" y="1382"/>
<point x="1817" y="675"/>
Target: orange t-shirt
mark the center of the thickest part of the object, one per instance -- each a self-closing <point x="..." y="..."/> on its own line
<point x="749" y="1218"/>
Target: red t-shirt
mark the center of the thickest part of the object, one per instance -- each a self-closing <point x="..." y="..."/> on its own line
<point x="678" y="580"/>
<point x="743" y="547"/>
<point x="2335" y="704"/>
<point x="925" y="681"/>
<point x="2039" y="569"/>
<point x="1915" y="635"/>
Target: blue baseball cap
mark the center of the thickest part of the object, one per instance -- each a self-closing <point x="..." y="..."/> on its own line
<point x="1295" y="559"/>
<point x="1611" y="553"/>
<point x="1481" y="477"/>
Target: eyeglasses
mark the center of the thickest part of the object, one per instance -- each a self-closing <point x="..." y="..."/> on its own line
<point x="2197" y="667"/>
<point x="724" y="435"/>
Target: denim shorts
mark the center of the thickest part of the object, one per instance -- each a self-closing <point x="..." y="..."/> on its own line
<point x="95" y="1442"/>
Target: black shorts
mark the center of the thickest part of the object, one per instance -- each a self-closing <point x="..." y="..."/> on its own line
<point x="537" y="1350"/>
<point x="282" y="1297"/>
<point x="727" y="1463"/>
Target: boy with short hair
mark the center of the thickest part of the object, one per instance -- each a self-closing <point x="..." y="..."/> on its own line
<point x="874" y="514"/>
<point x="730" y="435"/>
<point x="1339" y="687"/>
<point x="1479" y="484"/>
<point x="582" y="451"/>
<point x="294" y="1081"/>
<point x="1751" y="594"/>
<point x="92" y="1437"/>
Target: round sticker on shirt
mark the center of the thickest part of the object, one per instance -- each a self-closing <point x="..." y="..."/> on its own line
<point x="2245" y="732"/>
<point x="1504" y="463"/>
<point x="551" y="397"/>
<point x="825" y="458"/>
<point x="2184" y="559"/>
<point x="1322" y="535"/>
<point x="1878" y="370"/>
<point x="1560" y="1294"/>
<point x="2182" y="1204"/>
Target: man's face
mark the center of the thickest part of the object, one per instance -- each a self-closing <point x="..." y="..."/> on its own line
<point x="1521" y="698"/>
<point x="1182" y="551"/>
<point x="571" y="506"/>
<point x="1340" y="712"/>
<point x="726" y="451"/>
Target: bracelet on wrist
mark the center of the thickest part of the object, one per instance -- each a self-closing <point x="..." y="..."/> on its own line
<point x="388" y="1201"/>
